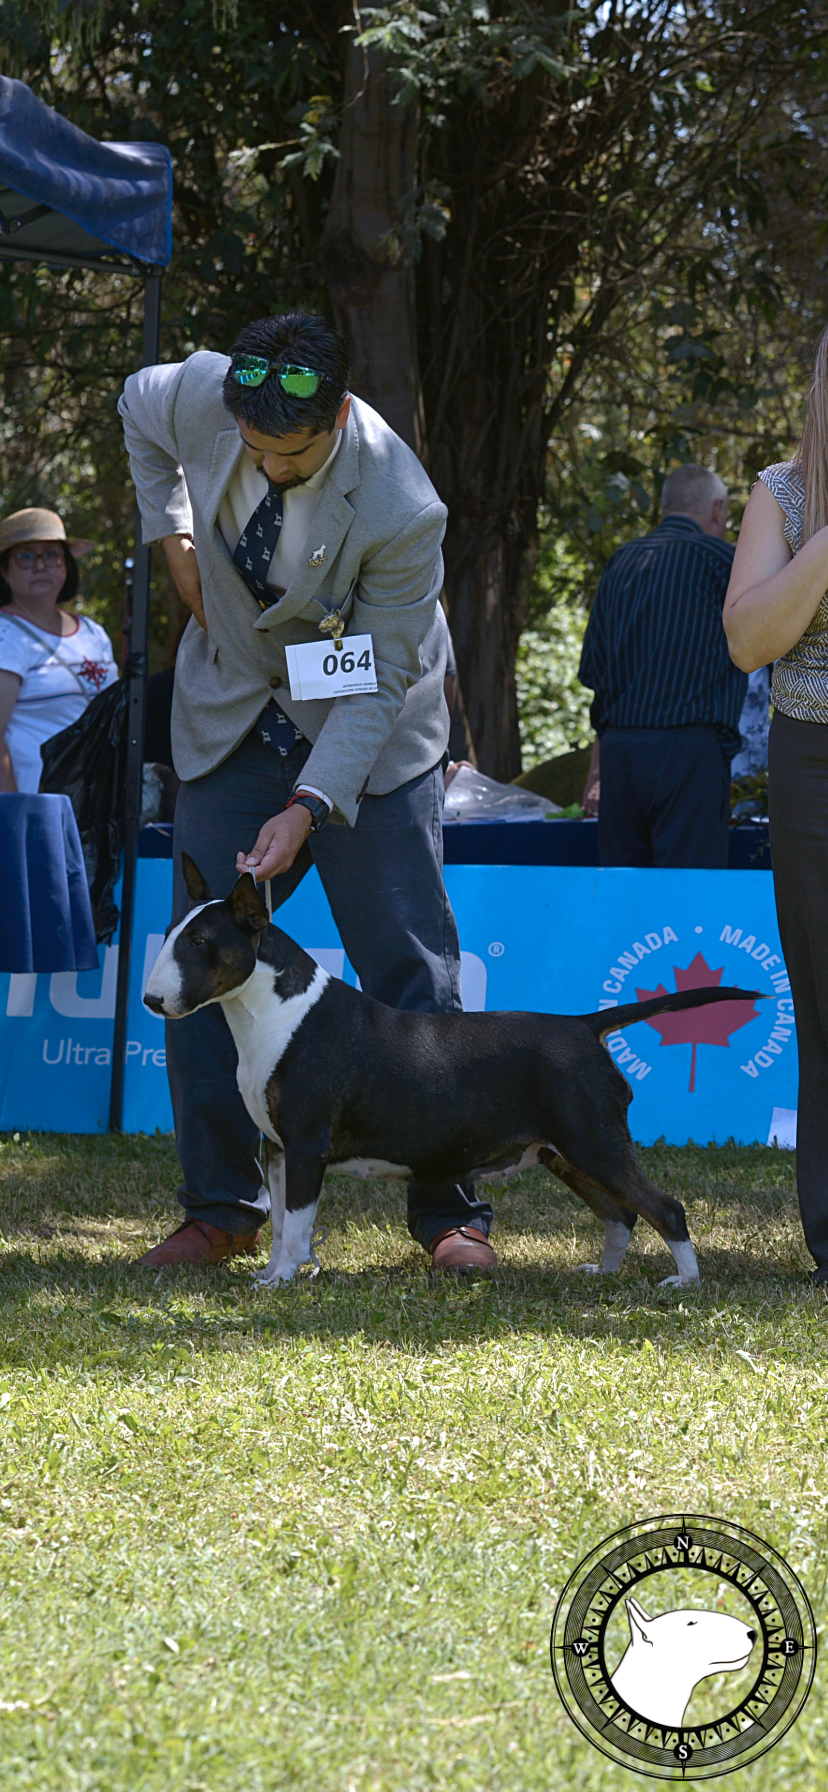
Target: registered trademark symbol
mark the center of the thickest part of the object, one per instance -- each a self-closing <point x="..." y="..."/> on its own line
<point x="496" y="949"/>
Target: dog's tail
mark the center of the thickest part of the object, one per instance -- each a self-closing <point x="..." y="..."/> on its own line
<point x="611" y="1020"/>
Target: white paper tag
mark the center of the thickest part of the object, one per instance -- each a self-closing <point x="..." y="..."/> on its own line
<point x="317" y="669"/>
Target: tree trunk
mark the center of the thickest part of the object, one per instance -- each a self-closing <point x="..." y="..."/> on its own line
<point x="484" y="409"/>
<point x="483" y="294"/>
<point x="489" y="582"/>
<point x="477" y="311"/>
<point x="363" y="253"/>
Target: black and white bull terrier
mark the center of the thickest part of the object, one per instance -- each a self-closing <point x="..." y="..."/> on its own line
<point x="337" y="1081"/>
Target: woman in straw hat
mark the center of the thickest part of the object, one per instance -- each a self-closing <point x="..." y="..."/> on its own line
<point x="51" y="661"/>
<point x="777" y="609"/>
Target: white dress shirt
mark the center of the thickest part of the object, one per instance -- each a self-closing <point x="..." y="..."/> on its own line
<point x="244" y="494"/>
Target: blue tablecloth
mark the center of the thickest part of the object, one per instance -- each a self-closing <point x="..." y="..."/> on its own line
<point x="571" y="843"/>
<point x="45" y="913"/>
<point x="523" y="843"/>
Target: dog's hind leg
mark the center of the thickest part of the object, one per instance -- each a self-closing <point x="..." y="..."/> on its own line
<point x="624" y="1182"/>
<point x="617" y="1221"/>
<point x="303" y="1173"/>
<point x="591" y="1134"/>
<point x="276" y="1183"/>
<point x="667" y="1216"/>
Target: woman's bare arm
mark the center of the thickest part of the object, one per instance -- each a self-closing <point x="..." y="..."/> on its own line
<point x="9" y="693"/>
<point x="772" y="595"/>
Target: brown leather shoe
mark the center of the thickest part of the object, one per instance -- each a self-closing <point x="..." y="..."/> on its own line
<point x="462" y="1250"/>
<point x="196" y="1241"/>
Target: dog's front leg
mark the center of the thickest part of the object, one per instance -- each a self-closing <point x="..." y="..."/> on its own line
<point x="303" y="1173"/>
<point x="276" y="1182"/>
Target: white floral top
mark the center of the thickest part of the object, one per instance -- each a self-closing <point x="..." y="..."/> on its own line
<point x="800" y="678"/>
<point x="59" y="674"/>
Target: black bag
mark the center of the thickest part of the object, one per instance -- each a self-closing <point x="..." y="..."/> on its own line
<point x="87" y="763"/>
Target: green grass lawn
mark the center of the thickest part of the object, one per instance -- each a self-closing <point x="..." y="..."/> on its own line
<point x="255" y="1541"/>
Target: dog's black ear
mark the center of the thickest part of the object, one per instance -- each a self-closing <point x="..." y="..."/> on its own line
<point x="198" y="888"/>
<point x="247" y="906"/>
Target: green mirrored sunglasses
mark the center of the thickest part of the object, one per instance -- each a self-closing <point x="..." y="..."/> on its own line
<point x="300" y="382"/>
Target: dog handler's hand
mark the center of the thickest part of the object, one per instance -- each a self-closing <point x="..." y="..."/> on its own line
<point x="279" y="841"/>
<point x="181" y="560"/>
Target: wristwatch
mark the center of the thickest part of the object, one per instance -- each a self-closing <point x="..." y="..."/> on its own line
<point x="318" y="811"/>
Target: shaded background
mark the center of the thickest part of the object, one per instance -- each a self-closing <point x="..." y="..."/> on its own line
<point x="568" y="249"/>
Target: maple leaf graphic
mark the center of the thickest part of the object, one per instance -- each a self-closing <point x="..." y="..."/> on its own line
<point x="698" y="1026"/>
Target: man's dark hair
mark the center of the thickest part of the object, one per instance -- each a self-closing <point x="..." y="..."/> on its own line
<point x="68" y="590"/>
<point x="307" y="342"/>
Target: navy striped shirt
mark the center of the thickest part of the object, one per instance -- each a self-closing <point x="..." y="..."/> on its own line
<point x="655" y="651"/>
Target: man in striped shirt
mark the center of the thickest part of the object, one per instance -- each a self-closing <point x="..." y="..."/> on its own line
<point x="667" y="694"/>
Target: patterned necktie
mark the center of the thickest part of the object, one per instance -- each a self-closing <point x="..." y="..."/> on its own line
<point x="256" y="547"/>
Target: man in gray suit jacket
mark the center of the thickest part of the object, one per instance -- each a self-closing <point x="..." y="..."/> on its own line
<point x="290" y="514"/>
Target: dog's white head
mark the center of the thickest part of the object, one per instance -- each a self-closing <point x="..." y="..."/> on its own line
<point x="212" y="952"/>
<point x="682" y="1647"/>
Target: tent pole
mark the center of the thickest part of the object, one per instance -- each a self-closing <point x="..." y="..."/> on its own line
<point x="139" y="642"/>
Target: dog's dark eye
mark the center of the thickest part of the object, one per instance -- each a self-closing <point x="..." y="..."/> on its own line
<point x="197" y="939"/>
<point x="691" y="1622"/>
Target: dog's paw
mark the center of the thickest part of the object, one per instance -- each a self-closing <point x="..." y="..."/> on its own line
<point x="680" y="1282"/>
<point x="273" y="1278"/>
<point x="590" y="1269"/>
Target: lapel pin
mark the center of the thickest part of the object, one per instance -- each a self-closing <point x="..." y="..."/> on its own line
<point x="319" y="556"/>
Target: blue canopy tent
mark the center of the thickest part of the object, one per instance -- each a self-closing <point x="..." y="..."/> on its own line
<point x="72" y="202"/>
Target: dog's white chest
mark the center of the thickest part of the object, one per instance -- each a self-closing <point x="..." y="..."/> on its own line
<point x="254" y="1095"/>
<point x="263" y="1025"/>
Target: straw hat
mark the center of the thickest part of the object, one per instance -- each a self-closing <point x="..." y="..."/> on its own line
<point x="36" y="525"/>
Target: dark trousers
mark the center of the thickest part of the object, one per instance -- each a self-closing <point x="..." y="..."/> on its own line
<point x="798" y="792"/>
<point x="665" y="798"/>
<point x="383" y="880"/>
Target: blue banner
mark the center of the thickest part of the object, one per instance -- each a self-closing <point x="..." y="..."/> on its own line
<point x="563" y="939"/>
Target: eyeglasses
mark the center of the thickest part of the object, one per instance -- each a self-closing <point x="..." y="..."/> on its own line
<point x="49" y="556"/>
<point x="300" y="382"/>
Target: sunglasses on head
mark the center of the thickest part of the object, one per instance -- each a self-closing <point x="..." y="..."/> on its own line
<point x="300" y="382"/>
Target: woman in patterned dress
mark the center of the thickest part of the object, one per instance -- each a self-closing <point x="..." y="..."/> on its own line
<point x="777" y="609"/>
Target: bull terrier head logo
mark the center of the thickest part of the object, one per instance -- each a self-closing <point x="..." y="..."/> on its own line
<point x="643" y="1711"/>
<point x="668" y="1655"/>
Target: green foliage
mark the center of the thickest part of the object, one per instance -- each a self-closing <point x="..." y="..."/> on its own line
<point x="228" y="98"/>
<point x="722" y="384"/>
<point x="444" y="52"/>
<point x="552" y="703"/>
<point x="315" y="1538"/>
<point x="616" y="226"/>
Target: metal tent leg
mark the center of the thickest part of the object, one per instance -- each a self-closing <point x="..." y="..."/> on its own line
<point x="139" y="640"/>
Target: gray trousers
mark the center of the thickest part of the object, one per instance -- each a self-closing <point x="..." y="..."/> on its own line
<point x="383" y="880"/>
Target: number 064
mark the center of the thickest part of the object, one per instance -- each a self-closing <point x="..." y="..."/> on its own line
<point x="331" y="664"/>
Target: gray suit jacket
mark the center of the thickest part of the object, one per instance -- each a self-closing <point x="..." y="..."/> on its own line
<point x="381" y="524"/>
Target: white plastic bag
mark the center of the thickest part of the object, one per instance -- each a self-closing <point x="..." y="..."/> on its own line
<point x="473" y="797"/>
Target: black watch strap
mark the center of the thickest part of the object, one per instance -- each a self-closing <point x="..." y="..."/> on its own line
<point x="317" y="809"/>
